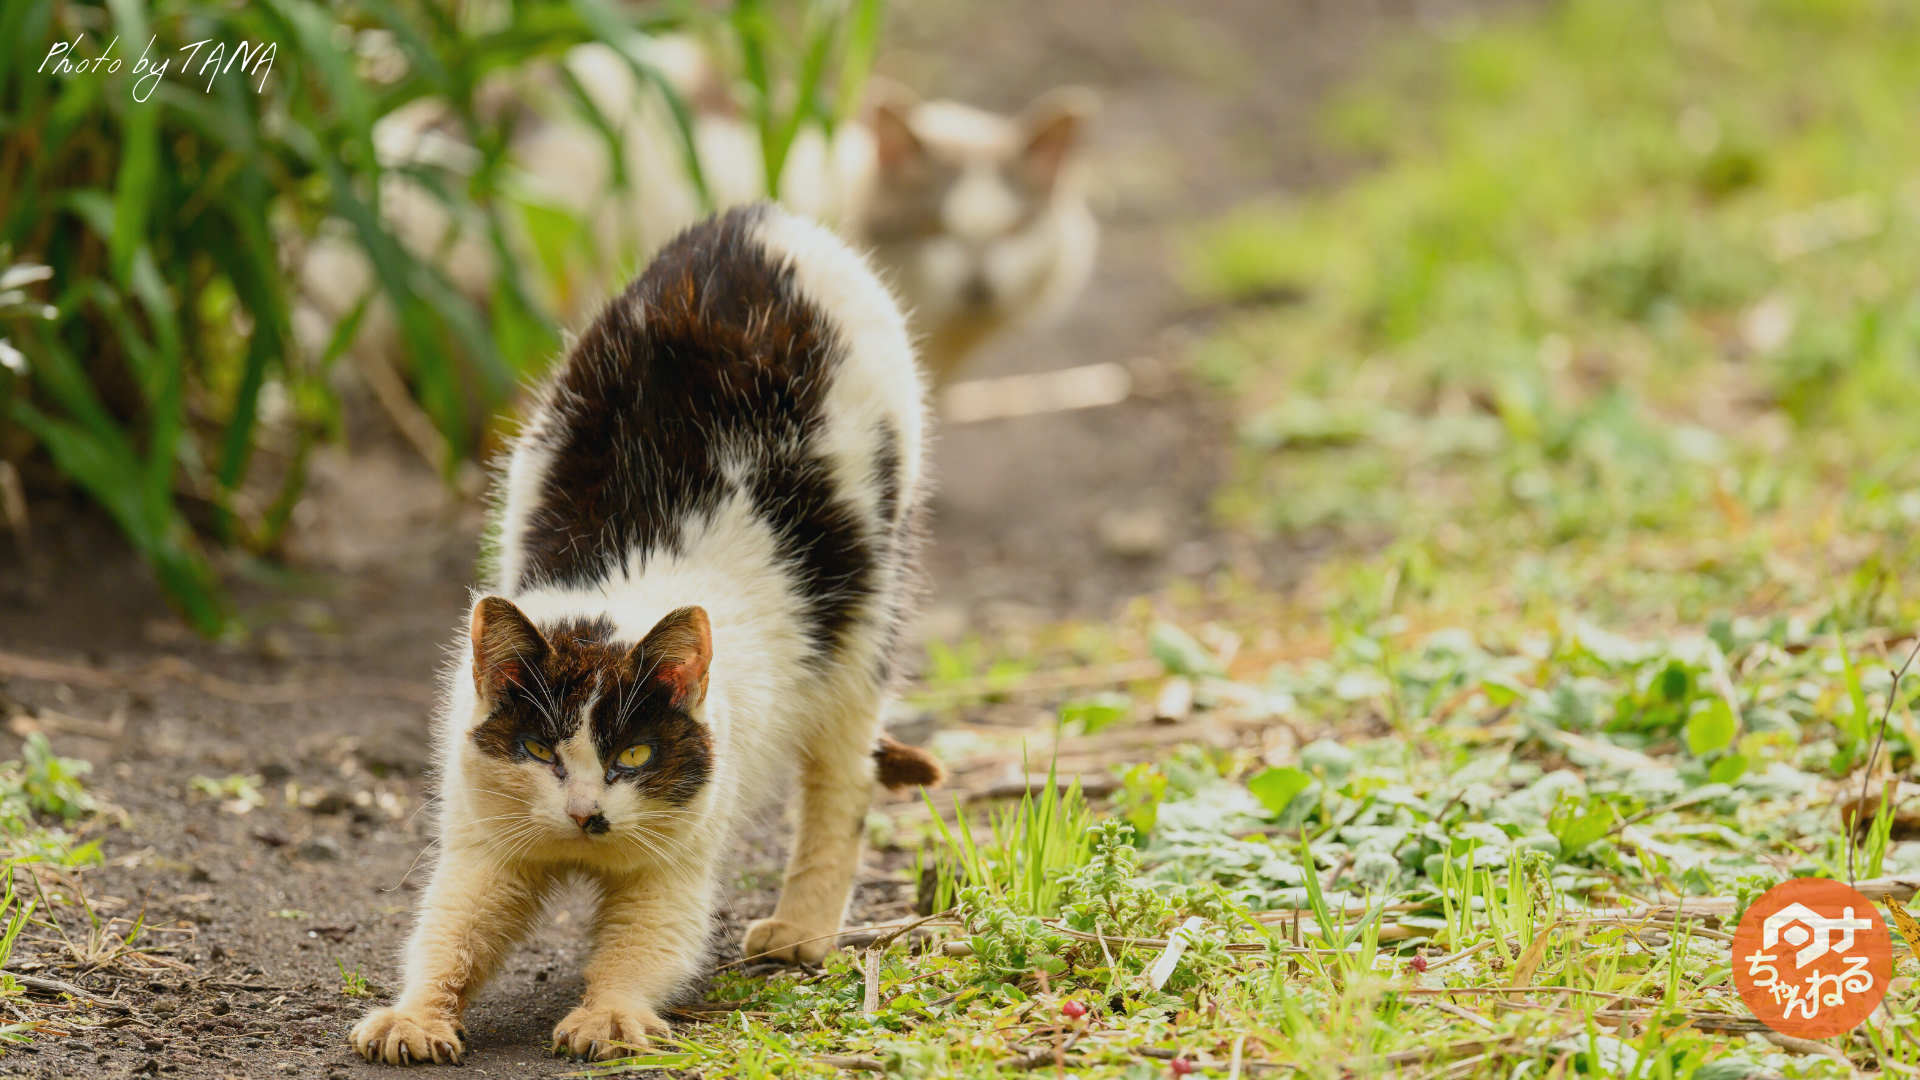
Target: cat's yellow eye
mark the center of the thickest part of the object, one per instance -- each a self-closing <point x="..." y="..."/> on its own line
<point x="635" y="756"/>
<point x="540" y="751"/>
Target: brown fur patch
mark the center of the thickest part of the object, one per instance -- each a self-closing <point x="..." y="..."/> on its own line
<point x="637" y="696"/>
<point x="902" y="766"/>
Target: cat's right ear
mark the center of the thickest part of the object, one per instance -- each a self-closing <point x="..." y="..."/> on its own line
<point x="506" y="647"/>
<point x="894" y="142"/>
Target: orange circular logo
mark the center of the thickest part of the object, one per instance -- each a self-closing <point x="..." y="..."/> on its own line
<point x="1812" y="958"/>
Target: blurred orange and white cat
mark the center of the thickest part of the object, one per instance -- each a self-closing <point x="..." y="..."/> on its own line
<point x="979" y="222"/>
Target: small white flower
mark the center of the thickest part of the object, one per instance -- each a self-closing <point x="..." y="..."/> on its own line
<point x="11" y="358"/>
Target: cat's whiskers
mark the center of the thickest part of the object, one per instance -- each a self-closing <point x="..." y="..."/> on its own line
<point x="509" y="841"/>
<point x="640" y="832"/>
<point x="677" y="857"/>
<point x="500" y="838"/>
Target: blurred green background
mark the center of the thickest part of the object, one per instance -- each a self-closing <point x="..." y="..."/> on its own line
<point x="1622" y="315"/>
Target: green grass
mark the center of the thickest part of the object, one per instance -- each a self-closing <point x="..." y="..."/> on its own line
<point x="41" y="796"/>
<point x="1021" y="854"/>
<point x="1593" y="398"/>
<point x="1633" y="336"/>
<point x="352" y="983"/>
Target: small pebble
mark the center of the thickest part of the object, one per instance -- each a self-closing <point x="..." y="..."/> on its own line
<point x="222" y="1007"/>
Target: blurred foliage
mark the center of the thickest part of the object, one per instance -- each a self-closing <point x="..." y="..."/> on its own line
<point x="167" y="381"/>
<point x="1625" y="315"/>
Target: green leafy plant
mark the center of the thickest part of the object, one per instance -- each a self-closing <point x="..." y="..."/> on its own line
<point x="165" y="378"/>
<point x="42" y="782"/>
<point x="352" y="983"/>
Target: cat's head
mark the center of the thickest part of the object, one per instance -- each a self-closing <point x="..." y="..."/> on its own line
<point x="964" y="204"/>
<point x="582" y="739"/>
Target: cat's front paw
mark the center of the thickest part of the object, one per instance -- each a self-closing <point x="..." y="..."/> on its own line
<point x="600" y="1032"/>
<point x="776" y="939"/>
<point x="408" y="1036"/>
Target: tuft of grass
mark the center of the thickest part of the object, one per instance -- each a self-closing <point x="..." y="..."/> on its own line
<point x="42" y="782"/>
<point x="1021" y="857"/>
<point x="352" y="983"/>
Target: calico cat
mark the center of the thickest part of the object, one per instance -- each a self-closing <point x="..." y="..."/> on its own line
<point x="705" y="546"/>
<point x="980" y="220"/>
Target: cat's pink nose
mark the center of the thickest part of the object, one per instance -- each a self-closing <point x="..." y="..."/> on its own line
<point x="582" y="819"/>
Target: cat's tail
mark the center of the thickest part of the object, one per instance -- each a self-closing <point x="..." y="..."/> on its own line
<point x="902" y="766"/>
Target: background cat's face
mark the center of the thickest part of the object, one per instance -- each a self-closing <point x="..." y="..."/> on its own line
<point x="962" y="208"/>
<point x="583" y="741"/>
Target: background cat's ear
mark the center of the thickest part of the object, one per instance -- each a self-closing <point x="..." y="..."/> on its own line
<point x="894" y="142"/>
<point x="506" y="647"/>
<point x="1055" y="126"/>
<point x="675" y="654"/>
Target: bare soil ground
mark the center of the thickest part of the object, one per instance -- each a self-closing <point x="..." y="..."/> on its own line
<point x="1206" y="101"/>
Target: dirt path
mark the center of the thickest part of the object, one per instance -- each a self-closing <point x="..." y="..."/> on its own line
<point x="1206" y="102"/>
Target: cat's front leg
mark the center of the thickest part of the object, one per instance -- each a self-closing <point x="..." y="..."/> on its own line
<point x="471" y="914"/>
<point x="650" y="937"/>
<point x="836" y="788"/>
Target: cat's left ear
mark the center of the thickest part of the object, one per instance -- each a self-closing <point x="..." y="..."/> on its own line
<point x="1055" y="126"/>
<point x="675" y="655"/>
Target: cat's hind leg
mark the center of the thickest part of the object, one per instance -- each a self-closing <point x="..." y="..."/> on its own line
<point x="836" y="788"/>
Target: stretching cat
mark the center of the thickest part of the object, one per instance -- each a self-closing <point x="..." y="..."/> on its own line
<point x="705" y="542"/>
